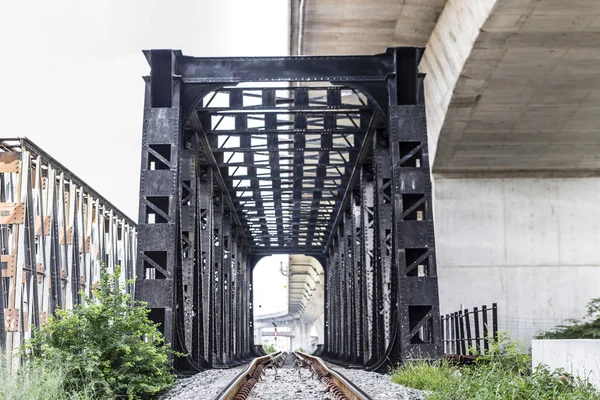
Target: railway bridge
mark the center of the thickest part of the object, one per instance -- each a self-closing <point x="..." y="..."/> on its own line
<point x="324" y="156"/>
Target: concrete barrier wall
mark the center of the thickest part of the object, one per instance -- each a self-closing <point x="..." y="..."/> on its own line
<point x="528" y="244"/>
<point x="579" y="357"/>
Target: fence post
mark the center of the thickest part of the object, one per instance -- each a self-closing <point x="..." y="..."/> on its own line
<point x="495" y="320"/>
<point x="477" y="337"/>
<point x="463" y="346"/>
<point x="486" y="331"/>
<point x="447" y="334"/>
<point x="453" y="334"/>
<point x="468" y="339"/>
<point x="442" y="319"/>
<point x="457" y="328"/>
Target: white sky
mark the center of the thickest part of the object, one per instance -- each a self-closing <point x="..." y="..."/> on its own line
<point x="70" y="72"/>
<point x="71" y="80"/>
<point x="270" y="286"/>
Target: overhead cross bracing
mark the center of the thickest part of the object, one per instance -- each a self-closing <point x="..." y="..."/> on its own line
<point x="285" y="154"/>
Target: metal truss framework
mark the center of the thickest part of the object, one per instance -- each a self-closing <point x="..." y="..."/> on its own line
<point x="55" y="233"/>
<point x="324" y="156"/>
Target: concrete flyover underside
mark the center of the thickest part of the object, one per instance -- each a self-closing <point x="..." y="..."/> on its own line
<point x="511" y="85"/>
<point x="306" y="301"/>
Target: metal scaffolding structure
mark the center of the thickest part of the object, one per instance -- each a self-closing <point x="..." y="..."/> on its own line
<point x="323" y="156"/>
<point x="55" y="233"/>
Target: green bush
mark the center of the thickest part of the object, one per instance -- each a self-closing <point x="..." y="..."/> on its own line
<point x="269" y="348"/>
<point x="109" y="347"/>
<point x="503" y="373"/>
<point x="576" y="329"/>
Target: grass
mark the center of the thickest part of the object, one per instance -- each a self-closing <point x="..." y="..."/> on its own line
<point x="269" y="348"/>
<point x="423" y="375"/>
<point x="36" y="382"/>
<point x="504" y="373"/>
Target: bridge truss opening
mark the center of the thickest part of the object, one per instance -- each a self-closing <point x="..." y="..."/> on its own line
<point x="322" y="156"/>
<point x="289" y="302"/>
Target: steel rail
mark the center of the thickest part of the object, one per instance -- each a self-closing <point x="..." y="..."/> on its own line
<point x="241" y="386"/>
<point x="339" y="386"/>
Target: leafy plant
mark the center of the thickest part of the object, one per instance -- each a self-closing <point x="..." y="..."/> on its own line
<point x="108" y="346"/>
<point x="503" y="373"/>
<point x="589" y="328"/>
<point x="301" y="350"/>
<point x="269" y="348"/>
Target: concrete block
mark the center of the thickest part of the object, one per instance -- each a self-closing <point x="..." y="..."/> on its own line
<point x="578" y="357"/>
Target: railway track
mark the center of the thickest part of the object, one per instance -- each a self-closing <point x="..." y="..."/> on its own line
<point x="292" y="376"/>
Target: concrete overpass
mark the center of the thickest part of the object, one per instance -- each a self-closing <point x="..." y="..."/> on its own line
<point x="512" y="91"/>
<point x="305" y="304"/>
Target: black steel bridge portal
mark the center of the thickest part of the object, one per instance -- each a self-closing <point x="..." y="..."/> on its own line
<point x="325" y="156"/>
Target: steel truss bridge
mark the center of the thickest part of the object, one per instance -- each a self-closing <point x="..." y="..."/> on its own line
<point x="325" y="156"/>
<point x="55" y="233"/>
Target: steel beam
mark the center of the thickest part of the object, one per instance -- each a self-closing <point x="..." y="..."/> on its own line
<point x="283" y="69"/>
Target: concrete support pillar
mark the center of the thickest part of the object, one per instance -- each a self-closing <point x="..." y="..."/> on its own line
<point x="301" y="337"/>
<point x="320" y="325"/>
<point x="258" y="336"/>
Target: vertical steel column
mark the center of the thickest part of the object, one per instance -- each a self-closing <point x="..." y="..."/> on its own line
<point x="330" y="306"/>
<point x="242" y="310"/>
<point x="236" y="318"/>
<point x="341" y="292"/>
<point x="159" y="193"/>
<point x="189" y="278"/>
<point x="217" y="278"/>
<point x="206" y="232"/>
<point x="55" y="259"/>
<point x="232" y="287"/>
<point x="188" y="203"/>
<point x="367" y="189"/>
<point x="357" y="268"/>
<point x="248" y="338"/>
<point x="337" y="296"/>
<point x="250" y="301"/>
<point x="348" y="264"/>
<point x="414" y="244"/>
<point x="30" y="266"/>
<point x="383" y="247"/>
<point x="225" y="280"/>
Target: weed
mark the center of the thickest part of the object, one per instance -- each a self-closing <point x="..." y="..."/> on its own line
<point x="503" y="373"/>
<point x="269" y="348"/>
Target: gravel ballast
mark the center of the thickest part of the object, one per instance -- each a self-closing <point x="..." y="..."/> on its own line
<point x="289" y="386"/>
<point x="204" y="385"/>
<point x="378" y="386"/>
